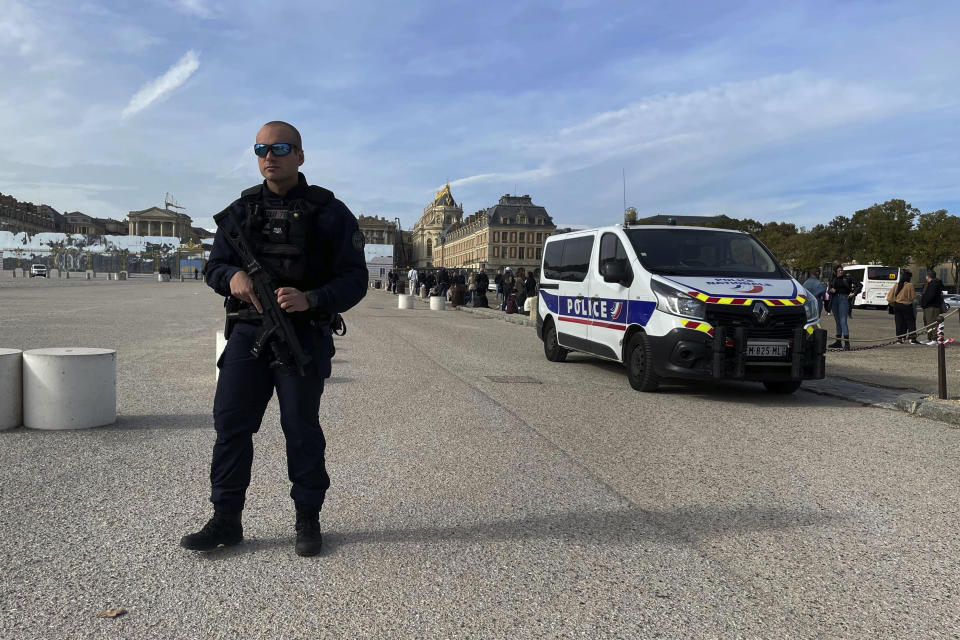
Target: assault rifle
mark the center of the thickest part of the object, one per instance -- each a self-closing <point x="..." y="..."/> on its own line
<point x="278" y="331"/>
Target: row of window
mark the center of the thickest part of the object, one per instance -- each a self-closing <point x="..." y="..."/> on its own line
<point x="520" y="236"/>
<point x="521" y="219"/>
<point x="519" y="253"/>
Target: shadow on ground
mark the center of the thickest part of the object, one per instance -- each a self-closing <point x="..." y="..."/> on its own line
<point x="686" y="525"/>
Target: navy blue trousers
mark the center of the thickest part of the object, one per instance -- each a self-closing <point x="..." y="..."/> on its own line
<point x="245" y="387"/>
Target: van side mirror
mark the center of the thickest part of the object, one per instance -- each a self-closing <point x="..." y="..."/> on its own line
<point x="616" y="271"/>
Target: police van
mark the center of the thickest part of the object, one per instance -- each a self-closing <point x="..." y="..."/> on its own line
<point x="673" y="302"/>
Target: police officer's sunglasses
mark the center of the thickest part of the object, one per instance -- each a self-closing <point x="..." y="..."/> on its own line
<point x="279" y="149"/>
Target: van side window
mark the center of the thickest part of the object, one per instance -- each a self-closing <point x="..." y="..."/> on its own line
<point x="576" y="258"/>
<point x="552" y="259"/>
<point x="611" y="250"/>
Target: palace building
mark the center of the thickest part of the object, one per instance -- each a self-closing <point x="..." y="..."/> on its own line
<point x="160" y="222"/>
<point x="437" y="216"/>
<point x="511" y="233"/>
<point x="377" y="229"/>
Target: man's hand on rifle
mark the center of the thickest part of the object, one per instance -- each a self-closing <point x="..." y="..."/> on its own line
<point x="241" y="288"/>
<point x="291" y="299"/>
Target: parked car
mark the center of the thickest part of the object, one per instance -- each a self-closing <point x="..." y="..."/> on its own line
<point x="38" y="270"/>
<point x="952" y="300"/>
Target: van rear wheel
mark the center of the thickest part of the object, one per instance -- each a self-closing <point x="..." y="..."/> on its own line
<point x="552" y="348"/>
<point x="782" y="386"/>
<point x="639" y="363"/>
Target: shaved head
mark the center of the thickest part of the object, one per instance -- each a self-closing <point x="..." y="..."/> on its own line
<point x="292" y="129"/>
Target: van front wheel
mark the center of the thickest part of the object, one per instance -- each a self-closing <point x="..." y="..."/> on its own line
<point x="639" y="363"/>
<point x="552" y="348"/>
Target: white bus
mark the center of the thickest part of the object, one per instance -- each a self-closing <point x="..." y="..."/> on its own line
<point x="876" y="280"/>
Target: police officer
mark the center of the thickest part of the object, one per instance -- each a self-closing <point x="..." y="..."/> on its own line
<point x="310" y="243"/>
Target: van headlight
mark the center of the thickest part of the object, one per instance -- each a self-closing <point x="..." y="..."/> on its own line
<point x="812" y="308"/>
<point x="670" y="300"/>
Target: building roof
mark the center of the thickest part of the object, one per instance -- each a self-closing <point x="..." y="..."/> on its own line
<point x="444" y="198"/>
<point x="510" y="206"/>
<point x="157" y="212"/>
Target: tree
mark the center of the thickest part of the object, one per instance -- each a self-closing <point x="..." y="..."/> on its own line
<point x="882" y="233"/>
<point x="936" y="238"/>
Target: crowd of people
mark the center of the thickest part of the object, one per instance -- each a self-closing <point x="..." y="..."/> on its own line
<point x="513" y="291"/>
<point x="836" y="298"/>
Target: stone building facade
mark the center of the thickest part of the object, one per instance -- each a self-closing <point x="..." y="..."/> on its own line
<point x="511" y="233"/>
<point x="17" y="217"/>
<point x="159" y="222"/>
<point x="440" y="214"/>
<point x="377" y="229"/>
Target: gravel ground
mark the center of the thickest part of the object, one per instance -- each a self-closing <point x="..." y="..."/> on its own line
<point x="566" y="506"/>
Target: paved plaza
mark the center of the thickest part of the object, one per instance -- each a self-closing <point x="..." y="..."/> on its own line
<point x="478" y="491"/>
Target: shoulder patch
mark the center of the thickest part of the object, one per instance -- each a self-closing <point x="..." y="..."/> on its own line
<point x="358" y="241"/>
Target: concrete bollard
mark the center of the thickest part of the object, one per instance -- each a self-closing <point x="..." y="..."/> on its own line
<point x="221" y="345"/>
<point x="438" y="303"/>
<point x="18" y="272"/>
<point x="122" y="275"/>
<point x="404" y="302"/>
<point x="88" y="274"/>
<point x="53" y="273"/>
<point x="11" y="388"/>
<point x="69" y="388"/>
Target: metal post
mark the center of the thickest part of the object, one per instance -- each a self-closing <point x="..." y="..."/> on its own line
<point x="941" y="362"/>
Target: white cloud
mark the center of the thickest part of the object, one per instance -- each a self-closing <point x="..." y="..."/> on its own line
<point x="724" y="120"/>
<point x="159" y="88"/>
<point x="18" y="27"/>
<point x="197" y="8"/>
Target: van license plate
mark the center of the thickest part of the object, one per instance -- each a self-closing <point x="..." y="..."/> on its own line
<point x="766" y="349"/>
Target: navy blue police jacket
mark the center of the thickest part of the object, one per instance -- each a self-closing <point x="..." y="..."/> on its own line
<point x="335" y="278"/>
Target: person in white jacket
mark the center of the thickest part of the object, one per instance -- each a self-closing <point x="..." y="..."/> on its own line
<point x="412" y="279"/>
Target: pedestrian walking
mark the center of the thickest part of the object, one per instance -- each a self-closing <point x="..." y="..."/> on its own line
<point x="842" y="289"/>
<point x="902" y="297"/>
<point x="506" y="284"/>
<point x="312" y="248"/>
<point x="932" y="304"/>
<point x="412" y="280"/>
<point x="815" y="287"/>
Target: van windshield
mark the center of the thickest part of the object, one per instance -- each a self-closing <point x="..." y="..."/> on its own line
<point x="702" y="252"/>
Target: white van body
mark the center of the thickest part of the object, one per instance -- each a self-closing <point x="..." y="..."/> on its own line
<point x="678" y="302"/>
<point x="876" y="279"/>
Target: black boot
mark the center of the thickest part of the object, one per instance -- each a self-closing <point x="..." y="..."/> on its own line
<point x="836" y="344"/>
<point x="224" y="528"/>
<point x="846" y="343"/>
<point x="309" y="538"/>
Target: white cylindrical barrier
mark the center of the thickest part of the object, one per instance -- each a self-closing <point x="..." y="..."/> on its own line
<point x="69" y="388"/>
<point x="404" y="302"/>
<point x="11" y="388"/>
<point x="221" y="345"/>
<point x="438" y="303"/>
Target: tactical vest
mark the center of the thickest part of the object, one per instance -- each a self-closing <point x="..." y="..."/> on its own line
<point x="282" y="232"/>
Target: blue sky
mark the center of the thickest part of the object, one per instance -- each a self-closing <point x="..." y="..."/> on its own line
<point x="777" y="111"/>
